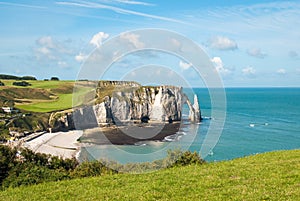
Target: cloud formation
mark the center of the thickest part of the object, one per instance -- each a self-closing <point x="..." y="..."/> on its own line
<point x="86" y="4"/>
<point x="47" y="48"/>
<point x="218" y="63"/>
<point x="222" y="43"/>
<point x="184" y="65"/>
<point x="133" y="39"/>
<point x="80" y="57"/>
<point x="249" y="71"/>
<point x="281" y="71"/>
<point x="256" y="52"/>
<point x="51" y="52"/>
<point x="98" y="39"/>
<point x="134" y="2"/>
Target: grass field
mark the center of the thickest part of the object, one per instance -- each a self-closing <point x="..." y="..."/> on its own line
<point x="41" y="96"/>
<point x="269" y="176"/>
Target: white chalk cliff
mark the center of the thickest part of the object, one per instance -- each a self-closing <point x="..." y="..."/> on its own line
<point x="163" y="103"/>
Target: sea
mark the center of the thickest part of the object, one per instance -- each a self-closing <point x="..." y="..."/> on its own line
<point x="257" y="120"/>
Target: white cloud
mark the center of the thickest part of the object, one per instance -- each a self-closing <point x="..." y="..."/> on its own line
<point x="281" y="71"/>
<point x="184" y="66"/>
<point x="222" y="43"/>
<point x="44" y="50"/>
<point x="175" y="42"/>
<point x="62" y="64"/>
<point x="256" y="52"/>
<point x="132" y="39"/>
<point x="118" y="10"/>
<point x="218" y="63"/>
<point x="249" y="71"/>
<point x="48" y="48"/>
<point x="80" y="57"/>
<point x="23" y="5"/>
<point x="46" y="41"/>
<point x="134" y="2"/>
<point x="98" y="39"/>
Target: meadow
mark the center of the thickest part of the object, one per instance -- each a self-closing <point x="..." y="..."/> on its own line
<point x="268" y="176"/>
<point x="41" y="96"/>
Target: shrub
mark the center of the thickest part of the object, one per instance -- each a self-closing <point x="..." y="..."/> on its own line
<point x="30" y="173"/>
<point x="28" y="78"/>
<point x="91" y="169"/>
<point x="188" y="158"/>
<point x="22" y="84"/>
<point x="54" y="79"/>
<point x="7" y="161"/>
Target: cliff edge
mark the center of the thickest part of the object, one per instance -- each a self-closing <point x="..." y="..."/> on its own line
<point x="120" y="102"/>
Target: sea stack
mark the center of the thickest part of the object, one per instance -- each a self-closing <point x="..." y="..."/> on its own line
<point x="195" y="113"/>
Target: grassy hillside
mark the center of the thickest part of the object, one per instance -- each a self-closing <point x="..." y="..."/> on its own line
<point x="269" y="176"/>
<point x="41" y="96"/>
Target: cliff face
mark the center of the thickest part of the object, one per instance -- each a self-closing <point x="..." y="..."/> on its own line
<point x="157" y="103"/>
<point x="130" y="102"/>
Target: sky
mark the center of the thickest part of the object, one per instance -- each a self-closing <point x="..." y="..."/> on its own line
<point x="250" y="43"/>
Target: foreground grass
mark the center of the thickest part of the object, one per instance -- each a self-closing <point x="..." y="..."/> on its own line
<point x="269" y="176"/>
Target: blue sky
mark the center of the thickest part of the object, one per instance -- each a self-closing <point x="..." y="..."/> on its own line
<point x="251" y="43"/>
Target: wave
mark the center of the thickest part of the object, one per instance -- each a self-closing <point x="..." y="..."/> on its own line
<point x="258" y="124"/>
<point x="170" y="138"/>
<point x="140" y="144"/>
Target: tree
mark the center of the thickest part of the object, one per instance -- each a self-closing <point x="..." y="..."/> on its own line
<point x="54" y="78"/>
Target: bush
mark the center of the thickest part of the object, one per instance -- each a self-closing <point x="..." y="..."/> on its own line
<point x="91" y="169"/>
<point x="13" y="77"/>
<point x="7" y="161"/>
<point x="28" y="78"/>
<point x="2" y="84"/>
<point x="54" y="79"/>
<point x="188" y="158"/>
<point x="22" y="84"/>
<point x="24" y="167"/>
<point x="24" y="174"/>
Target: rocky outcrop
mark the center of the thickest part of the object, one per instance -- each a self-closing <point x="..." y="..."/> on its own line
<point x="131" y="103"/>
<point x="195" y="113"/>
<point x="157" y="103"/>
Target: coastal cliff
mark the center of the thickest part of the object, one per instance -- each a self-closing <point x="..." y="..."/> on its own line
<point x="120" y="102"/>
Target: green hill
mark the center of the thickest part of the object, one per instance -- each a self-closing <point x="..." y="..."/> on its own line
<point x="269" y="176"/>
<point x="40" y="96"/>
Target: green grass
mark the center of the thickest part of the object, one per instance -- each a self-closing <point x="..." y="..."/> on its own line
<point x="269" y="176"/>
<point x="41" y="96"/>
<point x="64" y="101"/>
<point x="39" y="83"/>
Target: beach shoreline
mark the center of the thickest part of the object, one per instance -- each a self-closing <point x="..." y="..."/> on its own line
<point x="68" y="144"/>
<point x="61" y="144"/>
<point x="129" y="134"/>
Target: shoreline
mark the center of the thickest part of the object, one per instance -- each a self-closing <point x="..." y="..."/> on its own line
<point x="129" y="134"/>
<point x="61" y="144"/>
<point x="66" y="144"/>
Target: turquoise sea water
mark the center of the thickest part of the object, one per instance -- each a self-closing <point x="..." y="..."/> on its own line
<point x="257" y="120"/>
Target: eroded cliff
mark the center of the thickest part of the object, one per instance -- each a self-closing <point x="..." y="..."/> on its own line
<point x="122" y="102"/>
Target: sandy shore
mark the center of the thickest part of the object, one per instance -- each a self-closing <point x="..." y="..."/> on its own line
<point x="63" y="144"/>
